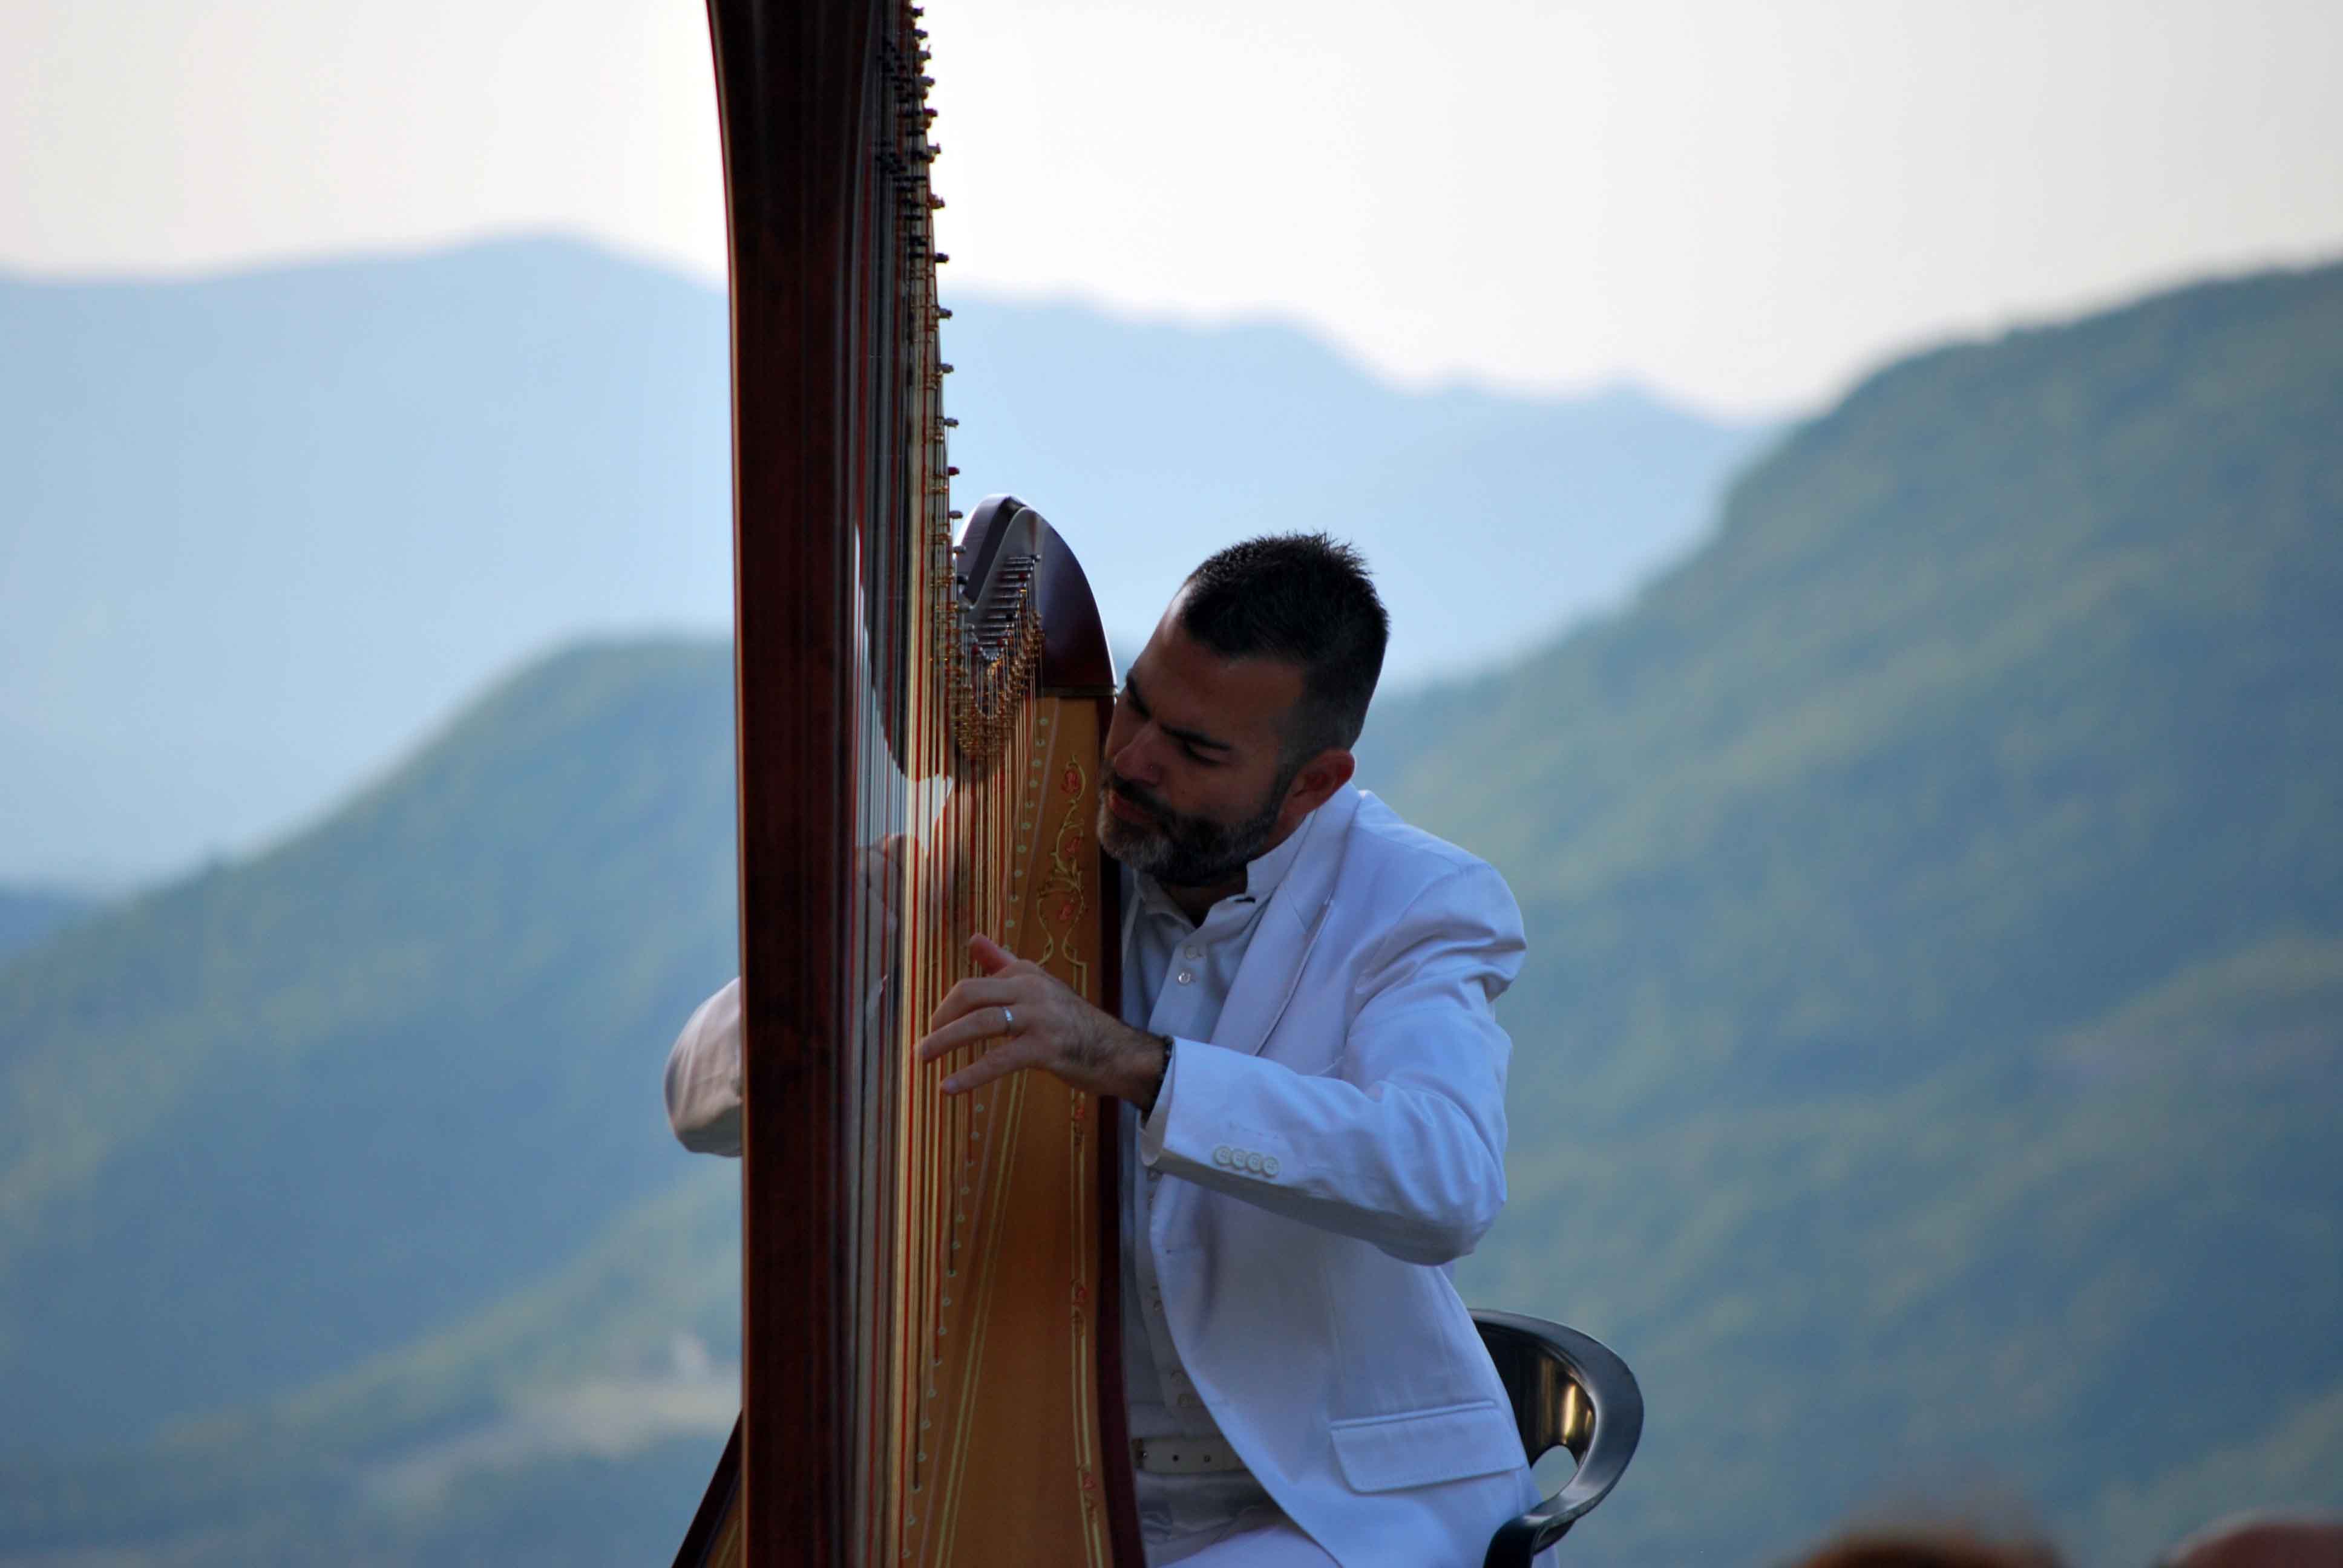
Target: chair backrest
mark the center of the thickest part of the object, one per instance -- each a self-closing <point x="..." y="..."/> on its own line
<point x="1568" y="1391"/>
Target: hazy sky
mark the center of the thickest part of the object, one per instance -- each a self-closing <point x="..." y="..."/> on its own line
<point x="1744" y="203"/>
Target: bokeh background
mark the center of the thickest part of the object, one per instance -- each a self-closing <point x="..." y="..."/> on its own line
<point x="1859" y="488"/>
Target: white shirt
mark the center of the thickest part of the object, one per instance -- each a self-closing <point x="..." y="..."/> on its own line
<point x="1176" y="976"/>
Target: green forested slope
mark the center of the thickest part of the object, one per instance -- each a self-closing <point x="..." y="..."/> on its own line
<point x="1935" y="1015"/>
<point x="1926" y="1062"/>
<point x="280" y="1118"/>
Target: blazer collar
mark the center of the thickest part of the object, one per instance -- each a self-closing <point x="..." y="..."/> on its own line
<point x="1289" y="929"/>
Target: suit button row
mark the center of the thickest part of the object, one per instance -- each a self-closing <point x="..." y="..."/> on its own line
<point x="1245" y="1160"/>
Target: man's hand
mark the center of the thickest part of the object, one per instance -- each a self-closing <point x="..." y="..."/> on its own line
<point x="1033" y="1020"/>
<point x="882" y="866"/>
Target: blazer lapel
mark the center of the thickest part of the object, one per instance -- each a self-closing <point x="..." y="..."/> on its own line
<point x="1272" y="964"/>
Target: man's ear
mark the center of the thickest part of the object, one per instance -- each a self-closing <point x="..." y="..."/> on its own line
<point x="1316" y="783"/>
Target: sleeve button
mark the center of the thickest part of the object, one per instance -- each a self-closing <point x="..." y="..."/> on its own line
<point x="1221" y="1156"/>
<point x="1269" y="1166"/>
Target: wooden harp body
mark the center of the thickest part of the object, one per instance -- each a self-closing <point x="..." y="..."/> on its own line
<point x="931" y="1366"/>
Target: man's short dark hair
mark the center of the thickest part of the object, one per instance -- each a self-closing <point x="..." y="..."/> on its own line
<point x="1305" y="598"/>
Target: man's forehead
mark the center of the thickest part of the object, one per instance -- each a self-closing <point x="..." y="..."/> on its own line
<point x="1244" y="699"/>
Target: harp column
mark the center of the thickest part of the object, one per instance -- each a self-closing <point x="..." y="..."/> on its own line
<point x="792" y="77"/>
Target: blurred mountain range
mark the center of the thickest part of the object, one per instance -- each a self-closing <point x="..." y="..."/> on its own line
<point x="1925" y="1077"/>
<point x="1927" y="1071"/>
<point x="30" y="913"/>
<point x="257" y="531"/>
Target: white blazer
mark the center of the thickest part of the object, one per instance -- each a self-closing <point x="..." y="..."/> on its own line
<point x="1339" y="1141"/>
<point x="1322" y="1162"/>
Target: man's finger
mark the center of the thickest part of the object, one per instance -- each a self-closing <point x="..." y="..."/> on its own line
<point x="990" y="955"/>
<point x="969" y="995"/>
<point x="944" y="1042"/>
<point x="998" y="1062"/>
<point x="984" y="1023"/>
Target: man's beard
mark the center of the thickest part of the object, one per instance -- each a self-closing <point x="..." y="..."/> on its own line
<point x="1181" y="850"/>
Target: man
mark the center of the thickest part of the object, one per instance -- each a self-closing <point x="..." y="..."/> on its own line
<point x="1315" y="1078"/>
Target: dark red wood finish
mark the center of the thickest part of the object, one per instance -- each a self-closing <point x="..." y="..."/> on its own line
<point x="790" y="75"/>
<point x="813" y="406"/>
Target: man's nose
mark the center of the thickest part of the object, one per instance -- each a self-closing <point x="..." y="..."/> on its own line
<point x="1137" y="760"/>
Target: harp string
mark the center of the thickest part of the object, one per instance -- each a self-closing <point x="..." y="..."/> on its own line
<point x="944" y="745"/>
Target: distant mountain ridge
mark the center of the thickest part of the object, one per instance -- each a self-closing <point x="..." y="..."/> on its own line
<point x="28" y="914"/>
<point x="373" y="1020"/>
<point x="1924" y="1070"/>
<point x="261" y="529"/>
<point x="1936" y="891"/>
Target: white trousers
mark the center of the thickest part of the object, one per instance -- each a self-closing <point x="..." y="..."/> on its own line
<point x="1259" y="1538"/>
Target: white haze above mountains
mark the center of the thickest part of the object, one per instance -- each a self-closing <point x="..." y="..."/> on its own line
<point x="259" y="533"/>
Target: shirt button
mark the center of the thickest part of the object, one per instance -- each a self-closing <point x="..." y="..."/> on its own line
<point x="1195" y="952"/>
<point x="1187" y="977"/>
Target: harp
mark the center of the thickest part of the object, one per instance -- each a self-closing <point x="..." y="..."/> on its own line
<point x="931" y="1371"/>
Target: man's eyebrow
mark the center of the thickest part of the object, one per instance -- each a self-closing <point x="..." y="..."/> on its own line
<point x="1187" y="737"/>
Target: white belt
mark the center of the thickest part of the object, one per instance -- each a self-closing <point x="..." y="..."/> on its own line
<point x="1183" y="1456"/>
